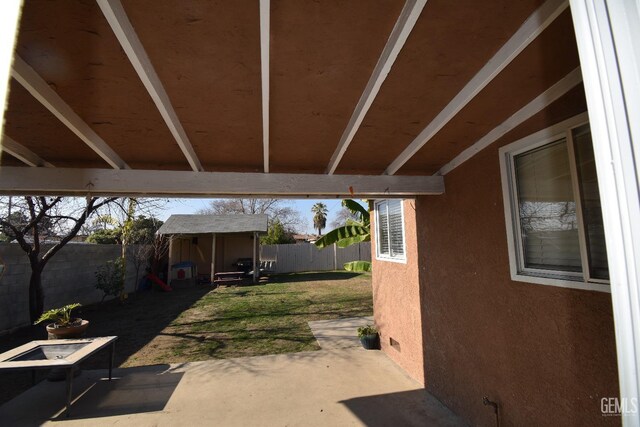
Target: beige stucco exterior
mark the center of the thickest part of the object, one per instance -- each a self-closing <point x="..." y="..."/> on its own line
<point x="396" y="295"/>
<point x="546" y="354"/>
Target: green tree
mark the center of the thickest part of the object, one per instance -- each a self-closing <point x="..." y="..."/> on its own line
<point x="277" y="235"/>
<point x="354" y="231"/>
<point x="142" y="231"/>
<point x="106" y="236"/>
<point x="320" y="212"/>
<point x="17" y="219"/>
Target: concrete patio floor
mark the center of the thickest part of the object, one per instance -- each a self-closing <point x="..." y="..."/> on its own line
<point x="339" y="333"/>
<point x="336" y="387"/>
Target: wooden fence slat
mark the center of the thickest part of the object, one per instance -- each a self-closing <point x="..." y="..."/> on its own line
<point x="296" y="258"/>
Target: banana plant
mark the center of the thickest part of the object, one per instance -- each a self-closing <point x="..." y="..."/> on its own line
<point x="354" y="231"/>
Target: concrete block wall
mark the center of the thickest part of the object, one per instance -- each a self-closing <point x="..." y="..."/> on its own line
<point x="69" y="277"/>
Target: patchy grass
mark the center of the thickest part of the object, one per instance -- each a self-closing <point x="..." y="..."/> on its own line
<point x="256" y="320"/>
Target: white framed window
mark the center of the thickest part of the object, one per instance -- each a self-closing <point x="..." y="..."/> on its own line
<point x="552" y="205"/>
<point x="390" y="231"/>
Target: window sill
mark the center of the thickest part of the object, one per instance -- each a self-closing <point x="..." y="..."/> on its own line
<point x="561" y="282"/>
<point x="389" y="259"/>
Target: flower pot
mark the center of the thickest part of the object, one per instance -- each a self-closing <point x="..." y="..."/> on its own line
<point x="370" y="342"/>
<point x="75" y="330"/>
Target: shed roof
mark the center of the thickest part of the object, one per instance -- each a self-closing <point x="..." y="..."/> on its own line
<point x="198" y="224"/>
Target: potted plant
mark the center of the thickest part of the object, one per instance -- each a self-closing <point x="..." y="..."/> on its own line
<point x="63" y="326"/>
<point x="369" y="337"/>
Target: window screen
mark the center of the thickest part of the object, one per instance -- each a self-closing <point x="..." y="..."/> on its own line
<point x="390" y="232"/>
<point x="547" y="209"/>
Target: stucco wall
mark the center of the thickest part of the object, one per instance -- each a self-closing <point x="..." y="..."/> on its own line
<point x="546" y="353"/>
<point x="69" y="277"/>
<point x="396" y="300"/>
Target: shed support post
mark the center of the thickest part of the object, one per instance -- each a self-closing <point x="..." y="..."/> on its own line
<point x="213" y="257"/>
<point x="170" y="261"/>
<point x="256" y="260"/>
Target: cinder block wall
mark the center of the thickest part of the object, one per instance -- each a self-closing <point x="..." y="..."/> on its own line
<point x="69" y="277"/>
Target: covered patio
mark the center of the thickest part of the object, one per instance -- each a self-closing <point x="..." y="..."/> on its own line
<point x="416" y="100"/>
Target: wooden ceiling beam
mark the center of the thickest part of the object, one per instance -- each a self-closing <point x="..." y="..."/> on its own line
<point x="126" y="35"/>
<point x="532" y="28"/>
<point x="405" y="23"/>
<point x="144" y="183"/>
<point x="22" y="153"/>
<point x="30" y="80"/>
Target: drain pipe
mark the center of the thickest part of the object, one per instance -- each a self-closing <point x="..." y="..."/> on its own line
<point x="496" y="408"/>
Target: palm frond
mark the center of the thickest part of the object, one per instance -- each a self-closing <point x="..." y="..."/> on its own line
<point x="344" y="236"/>
<point x="358" y="266"/>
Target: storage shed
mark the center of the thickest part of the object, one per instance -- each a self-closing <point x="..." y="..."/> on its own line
<point x="213" y="243"/>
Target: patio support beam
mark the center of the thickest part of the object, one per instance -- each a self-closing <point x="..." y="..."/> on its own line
<point x="22" y="153"/>
<point x="403" y="27"/>
<point x="550" y="95"/>
<point x="532" y="27"/>
<point x="122" y="28"/>
<point x="30" y="80"/>
<point x="265" y="33"/>
<point x="70" y="181"/>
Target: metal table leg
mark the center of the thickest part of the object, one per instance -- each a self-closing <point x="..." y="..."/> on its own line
<point x="69" y="390"/>
<point x="113" y="352"/>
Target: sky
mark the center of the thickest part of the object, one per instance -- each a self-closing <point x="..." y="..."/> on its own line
<point x="190" y="206"/>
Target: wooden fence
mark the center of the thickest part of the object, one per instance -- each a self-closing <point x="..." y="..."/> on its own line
<point x="300" y="257"/>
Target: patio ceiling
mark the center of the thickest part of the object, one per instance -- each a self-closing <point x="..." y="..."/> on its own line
<point x="280" y="97"/>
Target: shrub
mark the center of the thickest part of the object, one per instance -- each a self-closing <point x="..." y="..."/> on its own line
<point x="110" y="278"/>
<point x="61" y="317"/>
<point x="367" y="330"/>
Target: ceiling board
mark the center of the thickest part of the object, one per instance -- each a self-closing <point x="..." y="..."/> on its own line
<point x="570" y="105"/>
<point x="7" y="159"/>
<point x="29" y="123"/>
<point x="322" y="55"/>
<point x="544" y="62"/>
<point x="71" y="46"/>
<point x="207" y="55"/>
<point x="445" y="50"/>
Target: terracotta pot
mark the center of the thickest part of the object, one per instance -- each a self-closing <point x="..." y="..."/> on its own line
<point x="76" y="331"/>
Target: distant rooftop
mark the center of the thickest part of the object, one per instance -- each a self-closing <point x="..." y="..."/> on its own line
<point x="199" y="224"/>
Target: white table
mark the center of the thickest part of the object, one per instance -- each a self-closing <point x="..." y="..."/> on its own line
<point x="62" y="354"/>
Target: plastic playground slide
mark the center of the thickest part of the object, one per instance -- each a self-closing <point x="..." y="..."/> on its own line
<point x="155" y="279"/>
